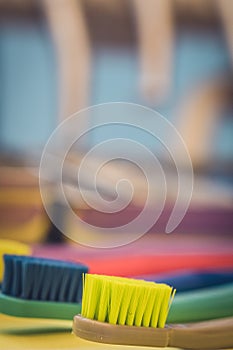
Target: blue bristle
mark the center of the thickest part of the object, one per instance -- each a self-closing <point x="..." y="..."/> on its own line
<point x="54" y="292"/>
<point x="8" y="273"/>
<point x="48" y="275"/>
<point x="65" y="282"/>
<point x="55" y="281"/>
<point x="38" y="271"/>
<point x="17" y="280"/>
<point x="75" y="289"/>
<point x="29" y="279"/>
<point x="35" y="271"/>
<point x="42" y="279"/>
<point x="74" y="285"/>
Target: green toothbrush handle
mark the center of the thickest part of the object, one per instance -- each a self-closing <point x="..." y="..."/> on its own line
<point x="205" y="304"/>
<point x="37" y="309"/>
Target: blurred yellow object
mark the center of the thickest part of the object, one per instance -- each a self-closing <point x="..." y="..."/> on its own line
<point x="25" y="334"/>
<point x="22" y="215"/>
<point x="11" y="247"/>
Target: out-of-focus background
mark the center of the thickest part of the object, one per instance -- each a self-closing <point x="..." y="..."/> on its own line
<point x="176" y="57"/>
<point x="58" y="57"/>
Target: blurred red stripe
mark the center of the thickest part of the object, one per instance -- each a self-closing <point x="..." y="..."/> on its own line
<point x="143" y="265"/>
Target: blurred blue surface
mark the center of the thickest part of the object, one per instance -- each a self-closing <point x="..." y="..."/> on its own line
<point x="28" y="77"/>
<point x="28" y="87"/>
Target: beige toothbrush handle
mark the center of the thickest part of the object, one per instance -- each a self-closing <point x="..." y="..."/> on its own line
<point x="102" y="332"/>
<point x="216" y="334"/>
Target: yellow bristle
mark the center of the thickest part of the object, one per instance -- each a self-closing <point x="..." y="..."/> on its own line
<point x="125" y="301"/>
<point x="157" y="306"/>
<point x="117" y="294"/>
<point x="164" y="308"/>
<point x="149" y="307"/>
<point x="13" y="248"/>
<point x="127" y="295"/>
<point x="103" y="305"/>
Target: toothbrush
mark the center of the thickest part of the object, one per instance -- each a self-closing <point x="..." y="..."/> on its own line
<point x="41" y="288"/>
<point x="132" y="312"/>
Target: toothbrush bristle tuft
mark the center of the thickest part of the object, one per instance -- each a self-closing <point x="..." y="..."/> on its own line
<point x="42" y="279"/>
<point x="125" y="301"/>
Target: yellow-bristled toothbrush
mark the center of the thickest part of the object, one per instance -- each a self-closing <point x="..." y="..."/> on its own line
<point x="130" y="312"/>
